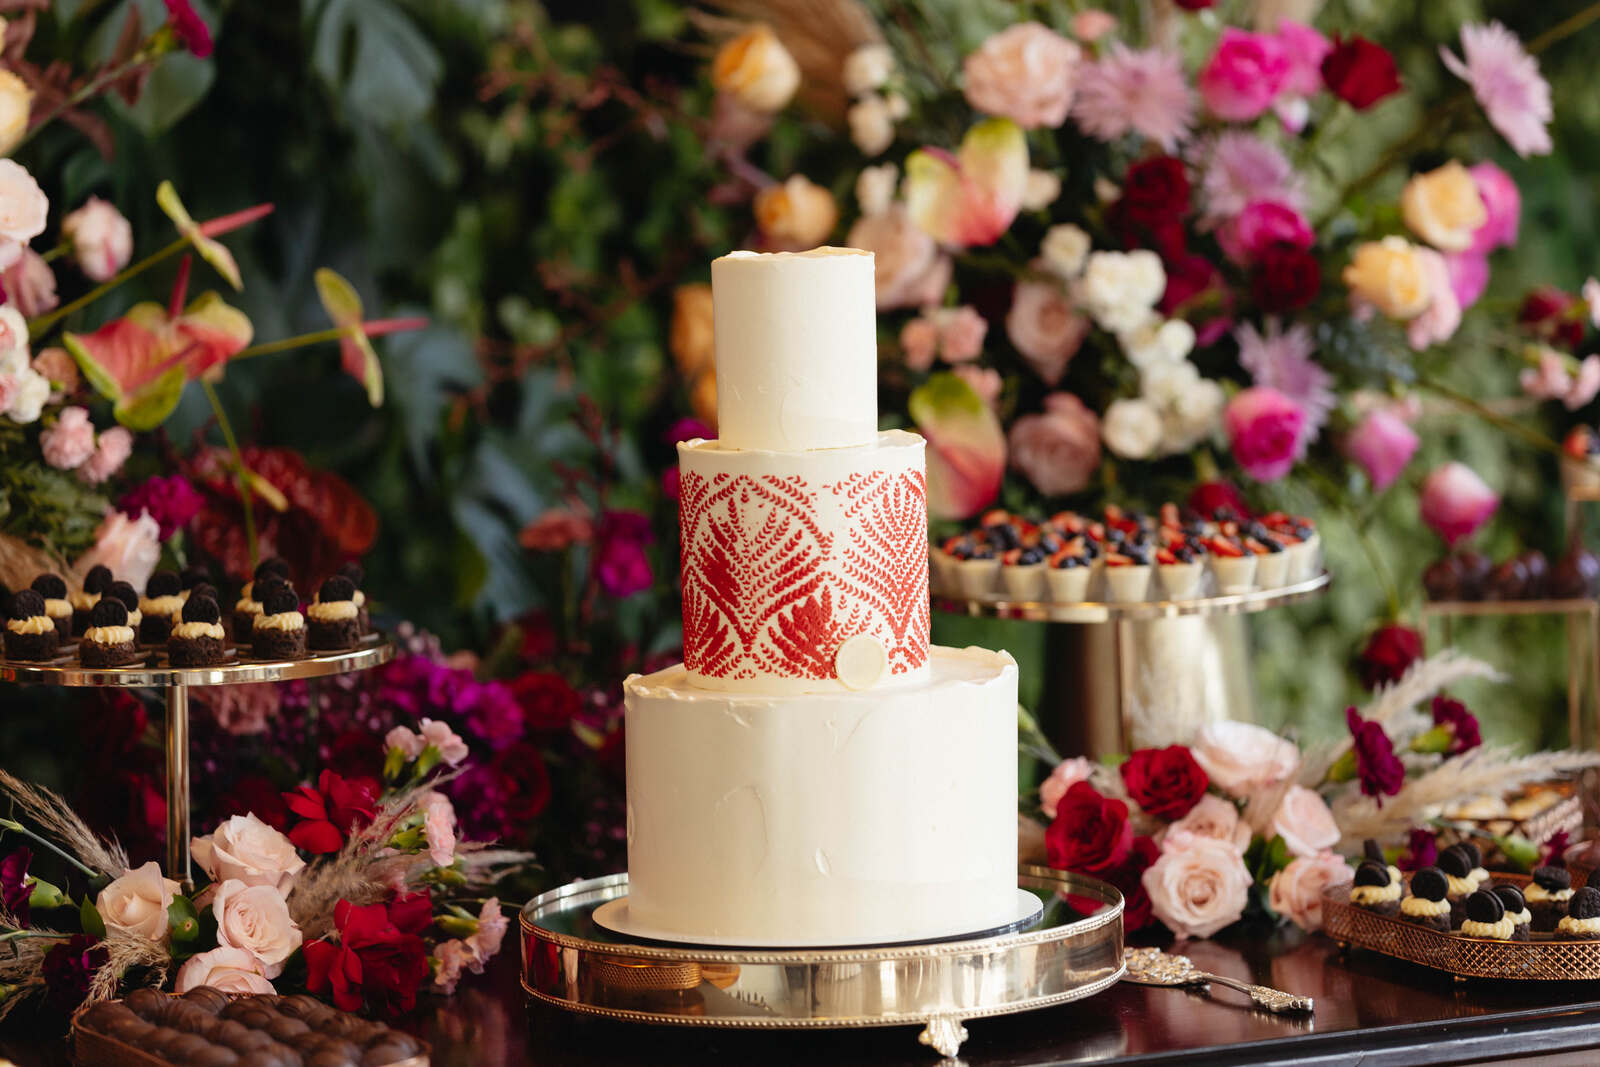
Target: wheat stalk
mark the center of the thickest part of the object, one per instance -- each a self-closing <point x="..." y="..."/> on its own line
<point x="124" y="953"/>
<point x="52" y="817"/>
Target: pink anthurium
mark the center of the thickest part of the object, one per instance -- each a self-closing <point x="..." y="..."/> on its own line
<point x="202" y="234"/>
<point x="966" y="446"/>
<point x="969" y="198"/>
<point x="343" y="305"/>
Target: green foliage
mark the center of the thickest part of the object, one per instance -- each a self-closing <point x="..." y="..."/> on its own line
<point x="53" y="510"/>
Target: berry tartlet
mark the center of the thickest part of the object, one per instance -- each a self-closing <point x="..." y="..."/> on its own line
<point x="1486" y="918"/>
<point x="1516" y="910"/>
<point x="1232" y="563"/>
<point x="1582" y="920"/>
<point x="1182" y="566"/>
<point x="197" y="639"/>
<point x="1374" y="890"/>
<point x="31" y="636"/>
<point x="331" y="620"/>
<point x="160" y="607"/>
<point x="1580" y="462"/>
<point x="280" y="631"/>
<point x="1426" y="905"/>
<point x="1128" y="571"/>
<point x="1272" y="559"/>
<point x="56" y="604"/>
<point x="1548" y="896"/>
<point x="1070" y="570"/>
<point x="95" y="583"/>
<point x="108" y="640"/>
<point x="1022" y="570"/>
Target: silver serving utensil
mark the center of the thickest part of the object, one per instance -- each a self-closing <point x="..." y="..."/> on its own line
<point x="1151" y="966"/>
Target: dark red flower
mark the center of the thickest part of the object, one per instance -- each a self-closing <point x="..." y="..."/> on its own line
<point x="1194" y="5"/>
<point x="1128" y="878"/>
<point x="1389" y="653"/>
<point x="1209" y="499"/>
<point x="1422" y="848"/>
<point x="331" y="810"/>
<point x="258" y="795"/>
<point x="548" y="702"/>
<point x="14" y="887"/>
<point x="412" y="913"/>
<point x="1359" y="72"/>
<point x="67" y="969"/>
<point x="190" y="29"/>
<point x="1163" y="235"/>
<point x="375" y="962"/>
<point x="621" y="564"/>
<point x="1554" y="852"/>
<point x="1553" y="315"/>
<point x="538" y="638"/>
<point x="1090" y="833"/>
<point x="1464" y="724"/>
<point x="1195" y="292"/>
<point x="1165" y="782"/>
<point x="1155" y="191"/>
<point x="1379" y="769"/>
<point x="1285" y="278"/>
<point x="170" y="500"/>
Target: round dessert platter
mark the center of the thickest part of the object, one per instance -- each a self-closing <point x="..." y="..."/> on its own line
<point x="1000" y="605"/>
<point x="575" y="963"/>
<point x="154" y="672"/>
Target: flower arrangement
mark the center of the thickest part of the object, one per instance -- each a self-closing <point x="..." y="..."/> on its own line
<point x="1241" y="821"/>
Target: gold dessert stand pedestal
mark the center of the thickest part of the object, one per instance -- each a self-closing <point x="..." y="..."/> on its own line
<point x="153" y="673"/>
<point x="1107" y="665"/>
<point x="573" y="963"/>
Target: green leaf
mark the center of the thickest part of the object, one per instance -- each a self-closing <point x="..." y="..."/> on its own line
<point x="153" y="404"/>
<point x="379" y="62"/>
<point x="89" y="917"/>
<point x="183" y="920"/>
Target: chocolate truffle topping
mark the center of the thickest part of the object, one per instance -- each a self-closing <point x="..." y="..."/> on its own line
<point x="1371" y="872"/>
<point x="280" y="601"/>
<point x="1554" y="879"/>
<point x="1429" y="884"/>
<point x="124" y="592"/>
<point x="98" y="580"/>
<point x="201" y="609"/>
<point x="1511" y="897"/>
<point x="1454" y="862"/>
<point x="1585" y="903"/>
<point x="50" y="586"/>
<point x="108" y="612"/>
<point x="27" y="604"/>
<point x="163" y="583"/>
<point x="337" y="588"/>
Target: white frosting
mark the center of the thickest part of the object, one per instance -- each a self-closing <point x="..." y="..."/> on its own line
<point x="1498" y="931"/>
<point x="842" y="817"/>
<point x="190" y="631"/>
<point x="1533" y="892"/>
<point x="33" y="624"/>
<point x="786" y="555"/>
<point x="1461" y="887"/>
<point x="331" y="610"/>
<point x="1375" y="894"/>
<point x="1424" y="906"/>
<point x="57" y="608"/>
<point x="796" y="349"/>
<point x="108" y="635"/>
<point x="284" y="620"/>
<point x="1521" y="918"/>
<point x="1569" y="925"/>
<point x="248" y="606"/>
<point x="82" y="601"/>
<point x="161" y="605"/>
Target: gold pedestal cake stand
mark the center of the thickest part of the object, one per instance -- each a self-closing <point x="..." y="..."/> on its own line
<point x="572" y="962"/>
<point x="155" y="673"/>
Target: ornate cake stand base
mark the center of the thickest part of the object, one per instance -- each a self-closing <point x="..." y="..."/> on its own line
<point x="570" y="961"/>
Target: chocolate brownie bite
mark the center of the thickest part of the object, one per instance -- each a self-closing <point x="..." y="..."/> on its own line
<point x="1374" y="890"/>
<point x="1516" y="911"/>
<point x="198" y="640"/>
<point x="1486" y="917"/>
<point x="332" y="618"/>
<point x="95" y="584"/>
<point x="1456" y="863"/>
<point x="108" y="641"/>
<point x="160" y="607"/>
<point x="56" y="604"/>
<point x="123" y="592"/>
<point x="248" y="606"/>
<point x="1427" y="905"/>
<point x="1582" y="920"/>
<point x="352" y="570"/>
<point x="1548" y="897"/>
<point x="31" y="636"/>
<point x="1478" y="873"/>
<point x="280" y="629"/>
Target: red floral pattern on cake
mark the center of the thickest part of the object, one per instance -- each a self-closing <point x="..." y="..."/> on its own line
<point x="886" y="567"/>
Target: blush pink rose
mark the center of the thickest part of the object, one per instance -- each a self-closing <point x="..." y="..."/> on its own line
<point x="961" y="333"/>
<point x="255" y="918"/>
<point x="919" y="342"/>
<point x="1503" y="203"/>
<point x="136" y="904"/>
<point x="909" y="269"/>
<point x="247" y="850"/>
<point x="1068" y="773"/>
<point x="1438" y="321"/>
<point x="1296" y="891"/>
<point x="230" y="970"/>
<point x="1266" y="431"/>
<point x="1304" y="822"/>
<point x="1243" y="76"/>
<point x="1197" y="885"/>
<point x="101" y="239"/>
<point x="30" y="284"/>
<point x="1263" y="224"/>
<point x="1241" y="758"/>
<point x="1045" y="327"/>
<point x="1026" y="73"/>
<point x="70" y="442"/>
<point x="1455" y="502"/>
<point x="1216" y="818"/>
<point x="985" y="381"/>
<point x="1382" y="444"/>
<point x="1058" y="450"/>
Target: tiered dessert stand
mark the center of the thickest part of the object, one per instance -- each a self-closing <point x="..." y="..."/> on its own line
<point x="154" y="673"/>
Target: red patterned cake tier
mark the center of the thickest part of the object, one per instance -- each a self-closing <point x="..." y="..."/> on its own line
<point x="789" y="556"/>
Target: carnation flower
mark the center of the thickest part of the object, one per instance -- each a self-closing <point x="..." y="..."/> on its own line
<point x="1388" y="655"/>
<point x="1422" y="849"/>
<point x="1127" y="91"/>
<point x="1285" y="278"/>
<point x="1282" y="360"/>
<point x="168" y="499"/>
<point x="68" y="443"/>
<point x="1240" y="167"/>
<point x="1507" y="83"/>
<point x="621" y="564"/>
<point x="16" y="889"/>
<point x="1465" y="735"/>
<point x="111" y="451"/>
<point x="1379" y="769"/>
<point x="191" y="31"/>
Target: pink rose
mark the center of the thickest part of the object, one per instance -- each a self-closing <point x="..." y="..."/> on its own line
<point x="439" y="828"/>
<point x="1092" y="25"/>
<point x="30" y="285"/>
<point x="1304" y="822"/>
<point x="1197" y="885"/>
<point x="102" y="240"/>
<point x="129" y="548"/>
<point x="910" y="271"/>
<point x="1045" y="327"/>
<point x="136" y="904"/>
<point x="1068" y="772"/>
<point x="1244" y="74"/>
<point x="256" y="918"/>
<point x="961" y="333"/>
<point x="111" y="451"/>
<point x="919" y="342"/>
<point x="1304" y="49"/>
<point x="1215" y="818"/>
<point x="1026" y="73"/>
<point x="438" y="734"/>
<point x="230" y="970"/>
<point x="1469" y="276"/>
<point x="1438" y="321"/>
<point x="1382" y="444"/>
<point x="1455" y="502"/>
<point x="1261" y="225"/>
<point x="1058" y="450"/>
<point x="985" y="381"/>
<point x="246" y="850"/>
<point x="1296" y="891"/>
<point x="70" y="442"/>
<point x="1241" y="758"/>
<point x="1503" y="202"/>
<point x="1267" y="432"/>
<point x="24" y="209"/>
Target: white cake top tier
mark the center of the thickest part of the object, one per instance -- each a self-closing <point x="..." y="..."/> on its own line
<point x="797" y="349"/>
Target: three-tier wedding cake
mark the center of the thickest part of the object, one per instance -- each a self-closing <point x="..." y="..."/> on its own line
<point x="814" y="772"/>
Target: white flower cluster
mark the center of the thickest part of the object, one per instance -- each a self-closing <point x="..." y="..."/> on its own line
<point x="23" y="390"/>
<point x="866" y="75"/>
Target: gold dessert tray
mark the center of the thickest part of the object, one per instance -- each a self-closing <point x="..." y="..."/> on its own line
<point x="1000" y="605"/>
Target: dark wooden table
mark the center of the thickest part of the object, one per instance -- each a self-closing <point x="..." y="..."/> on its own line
<point x="1382" y="1013"/>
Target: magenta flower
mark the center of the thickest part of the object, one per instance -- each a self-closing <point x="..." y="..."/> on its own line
<point x="189" y="28"/>
<point x="1503" y="203"/>
<point x="1422" y="849"/>
<point x="1463" y="724"/>
<point x="687" y="429"/>
<point x="621" y="564"/>
<point x="1240" y="167"/>
<point x="170" y="500"/>
<point x="1382" y="444"/>
<point x="1260" y="226"/>
<point x="1282" y="360"/>
<point x="1379" y="769"/>
<point x="1469" y="276"/>
<point x="1127" y="91"/>
<point x="1304" y="48"/>
<point x="15" y="892"/>
<point x="1266" y="431"/>
<point x="1244" y="75"/>
<point x="1455" y="502"/>
<point x="1508" y="85"/>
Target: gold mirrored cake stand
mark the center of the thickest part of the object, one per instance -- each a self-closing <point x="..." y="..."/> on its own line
<point x="574" y="963"/>
<point x="155" y="673"/>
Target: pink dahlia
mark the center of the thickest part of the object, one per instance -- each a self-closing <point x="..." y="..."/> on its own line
<point x="1267" y="432"/>
<point x="1282" y="361"/>
<point x="1237" y="168"/>
<point x="1128" y="91"/>
<point x="1507" y="83"/>
<point x="1244" y="75"/>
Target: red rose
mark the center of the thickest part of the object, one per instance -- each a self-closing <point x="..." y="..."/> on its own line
<point x="1211" y="498"/>
<point x="1553" y="315"/>
<point x="1165" y="782"/>
<point x="255" y="794"/>
<point x="375" y="962"/>
<point x="548" y="703"/>
<point x="1090" y="833"/>
<point x="1359" y="72"/>
<point x="1162" y="235"/>
<point x="1128" y="878"/>
<point x="331" y="810"/>
<point x="1194" y="5"/>
<point x="1156" y="191"/>
<point x="1285" y="278"/>
<point x="1389" y="653"/>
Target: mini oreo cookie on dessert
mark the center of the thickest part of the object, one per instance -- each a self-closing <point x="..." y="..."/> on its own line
<point x="109" y="640"/>
<point x="280" y="629"/>
<point x="160" y="607"/>
<point x="1548" y="896"/>
<point x="1582" y="921"/>
<point x="332" y="619"/>
<point x="95" y="584"/>
<point x="1517" y="909"/>
<point x="190" y="577"/>
<point x="1486" y="917"/>
<point x="1427" y="906"/>
<point x="31" y="636"/>
<point x="1374" y="889"/>
<point x="197" y="641"/>
<point x="352" y="570"/>
<point x="1457" y="866"/>
<point x="56" y="604"/>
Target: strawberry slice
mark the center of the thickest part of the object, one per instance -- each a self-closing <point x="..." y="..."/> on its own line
<point x="1221" y="546"/>
<point x="995" y="517"/>
<point x="1170" y="516"/>
<point x="1164" y="555"/>
<point x="1117" y="559"/>
<point x="1097" y="532"/>
<point x="1012" y="557"/>
<point x="1256" y="547"/>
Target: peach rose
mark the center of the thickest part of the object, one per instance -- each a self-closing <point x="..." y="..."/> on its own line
<point x="910" y="271"/>
<point x="796" y="214"/>
<point x="1241" y="758"/>
<point x="230" y="970"/>
<point x="1390" y="276"/>
<point x="1215" y="818"/>
<point x="756" y="68"/>
<point x="1025" y="73"/>
<point x="136" y="904"/>
<point x="1068" y="773"/>
<point x="1059" y="449"/>
<point x="247" y="850"/>
<point x="1438" y="321"/>
<point x="130" y="547"/>
<point x="256" y="918"/>
<point x="16" y="104"/>
<point x="1304" y="822"/>
<point x="1444" y="207"/>
<point x="1045" y="327"/>
<point x="59" y="367"/>
<point x="689" y="337"/>
<point x="1296" y="891"/>
<point x="1197" y="885"/>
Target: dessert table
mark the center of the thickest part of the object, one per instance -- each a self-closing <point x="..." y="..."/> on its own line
<point x="1390" y="1013"/>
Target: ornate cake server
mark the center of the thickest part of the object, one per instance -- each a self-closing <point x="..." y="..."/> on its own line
<point x="1151" y="966"/>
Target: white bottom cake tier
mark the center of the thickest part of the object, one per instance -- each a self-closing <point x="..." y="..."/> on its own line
<point x="836" y="818"/>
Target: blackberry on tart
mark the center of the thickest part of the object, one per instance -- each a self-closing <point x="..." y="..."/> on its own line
<point x="333" y="618"/>
<point x="1548" y="896"/>
<point x="197" y="640"/>
<point x="1517" y="910"/>
<point x="160" y="607"/>
<point x="1374" y="890"/>
<point x="1486" y="917"/>
<point x="124" y="593"/>
<point x="108" y="641"/>
<point x="56" y="604"/>
<point x="95" y="583"/>
<point x="280" y="631"/>
<point x="31" y="635"/>
<point x="1427" y="905"/>
<point x="1582" y="920"/>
